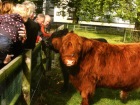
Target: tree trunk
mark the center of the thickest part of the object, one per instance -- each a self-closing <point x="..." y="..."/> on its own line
<point x="137" y="23"/>
<point x="75" y="18"/>
<point x="44" y="7"/>
<point x="136" y="32"/>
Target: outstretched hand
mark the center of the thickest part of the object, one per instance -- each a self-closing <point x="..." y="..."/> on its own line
<point x="45" y="34"/>
<point x="22" y="33"/>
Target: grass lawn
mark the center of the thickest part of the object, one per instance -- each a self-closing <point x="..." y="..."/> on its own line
<point x="49" y="90"/>
<point x="110" y="38"/>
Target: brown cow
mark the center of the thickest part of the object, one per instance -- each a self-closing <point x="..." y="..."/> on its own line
<point x="58" y="35"/>
<point x="95" y="64"/>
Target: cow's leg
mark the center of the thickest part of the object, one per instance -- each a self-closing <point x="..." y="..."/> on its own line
<point x="123" y="95"/>
<point x="66" y="80"/>
<point x="84" y="101"/>
<point x="65" y="77"/>
<point x="86" y="94"/>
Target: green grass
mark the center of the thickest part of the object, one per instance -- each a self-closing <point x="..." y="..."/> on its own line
<point x="49" y="90"/>
<point x="110" y="38"/>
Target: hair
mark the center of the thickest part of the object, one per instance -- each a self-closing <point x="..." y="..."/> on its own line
<point x="48" y="19"/>
<point x="21" y="10"/>
<point x="31" y="7"/>
<point x="0" y="7"/>
<point x="40" y="15"/>
<point x="7" y="7"/>
<point x="48" y="16"/>
<point x="40" y="18"/>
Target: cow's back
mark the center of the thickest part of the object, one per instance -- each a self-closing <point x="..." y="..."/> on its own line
<point x="114" y="66"/>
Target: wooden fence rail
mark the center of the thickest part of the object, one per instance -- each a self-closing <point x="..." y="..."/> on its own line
<point x="80" y="27"/>
<point x="133" y="34"/>
<point x="17" y="77"/>
<point x="107" y="30"/>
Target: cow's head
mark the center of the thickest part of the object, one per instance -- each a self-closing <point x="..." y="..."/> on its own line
<point x="53" y="41"/>
<point x="71" y="47"/>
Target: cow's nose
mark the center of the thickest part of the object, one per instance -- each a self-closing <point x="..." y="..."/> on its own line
<point x="69" y="62"/>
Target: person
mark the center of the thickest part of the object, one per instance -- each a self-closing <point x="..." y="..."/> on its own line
<point x="40" y="20"/>
<point x="10" y="40"/>
<point x="31" y="8"/>
<point x="31" y="26"/>
<point x="45" y="29"/>
<point x="47" y="22"/>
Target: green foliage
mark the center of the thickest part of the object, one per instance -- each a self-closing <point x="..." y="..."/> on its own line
<point x="107" y="9"/>
<point x="138" y="9"/>
<point x="110" y="38"/>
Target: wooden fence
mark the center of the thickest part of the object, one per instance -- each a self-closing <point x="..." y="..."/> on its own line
<point x="80" y="27"/>
<point x="20" y="78"/>
<point x="130" y="32"/>
<point x="134" y="35"/>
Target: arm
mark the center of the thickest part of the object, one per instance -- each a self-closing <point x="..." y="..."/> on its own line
<point x="19" y="24"/>
<point x="22" y="33"/>
<point x="45" y="34"/>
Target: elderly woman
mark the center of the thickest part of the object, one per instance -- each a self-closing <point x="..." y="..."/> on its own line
<point x="32" y="28"/>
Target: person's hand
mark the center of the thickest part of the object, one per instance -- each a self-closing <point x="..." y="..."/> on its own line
<point x="40" y="39"/>
<point x="45" y="34"/>
<point x="8" y="58"/>
<point x="22" y="33"/>
<point x="42" y="25"/>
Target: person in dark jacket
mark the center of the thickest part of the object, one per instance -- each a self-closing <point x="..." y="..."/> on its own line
<point x="32" y="28"/>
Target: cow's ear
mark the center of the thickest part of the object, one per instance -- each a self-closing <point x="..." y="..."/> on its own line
<point x="87" y="45"/>
<point x="57" y="42"/>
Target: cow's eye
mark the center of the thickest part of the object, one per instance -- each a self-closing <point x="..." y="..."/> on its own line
<point x="72" y="54"/>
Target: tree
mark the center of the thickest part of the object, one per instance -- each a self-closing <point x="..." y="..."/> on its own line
<point x="106" y="9"/>
<point x="72" y="6"/>
<point x="137" y="18"/>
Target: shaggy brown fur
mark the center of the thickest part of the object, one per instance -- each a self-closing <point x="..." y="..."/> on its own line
<point x="95" y="64"/>
<point x="54" y="39"/>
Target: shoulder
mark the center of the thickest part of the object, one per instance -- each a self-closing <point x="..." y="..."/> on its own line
<point x="16" y="17"/>
<point x="30" y="23"/>
<point x="32" y="27"/>
<point x="11" y="18"/>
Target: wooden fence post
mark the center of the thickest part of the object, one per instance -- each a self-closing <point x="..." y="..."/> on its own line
<point x="26" y="84"/>
<point x="124" y="37"/>
<point x="73" y="27"/>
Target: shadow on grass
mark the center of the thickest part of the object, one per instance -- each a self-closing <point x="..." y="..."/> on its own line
<point x="49" y="92"/>
<point x="110" y="97"/>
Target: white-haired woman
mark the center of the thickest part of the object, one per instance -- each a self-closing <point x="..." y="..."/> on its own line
<point x="31" y="8"/>
<point x="32" y="28"/>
